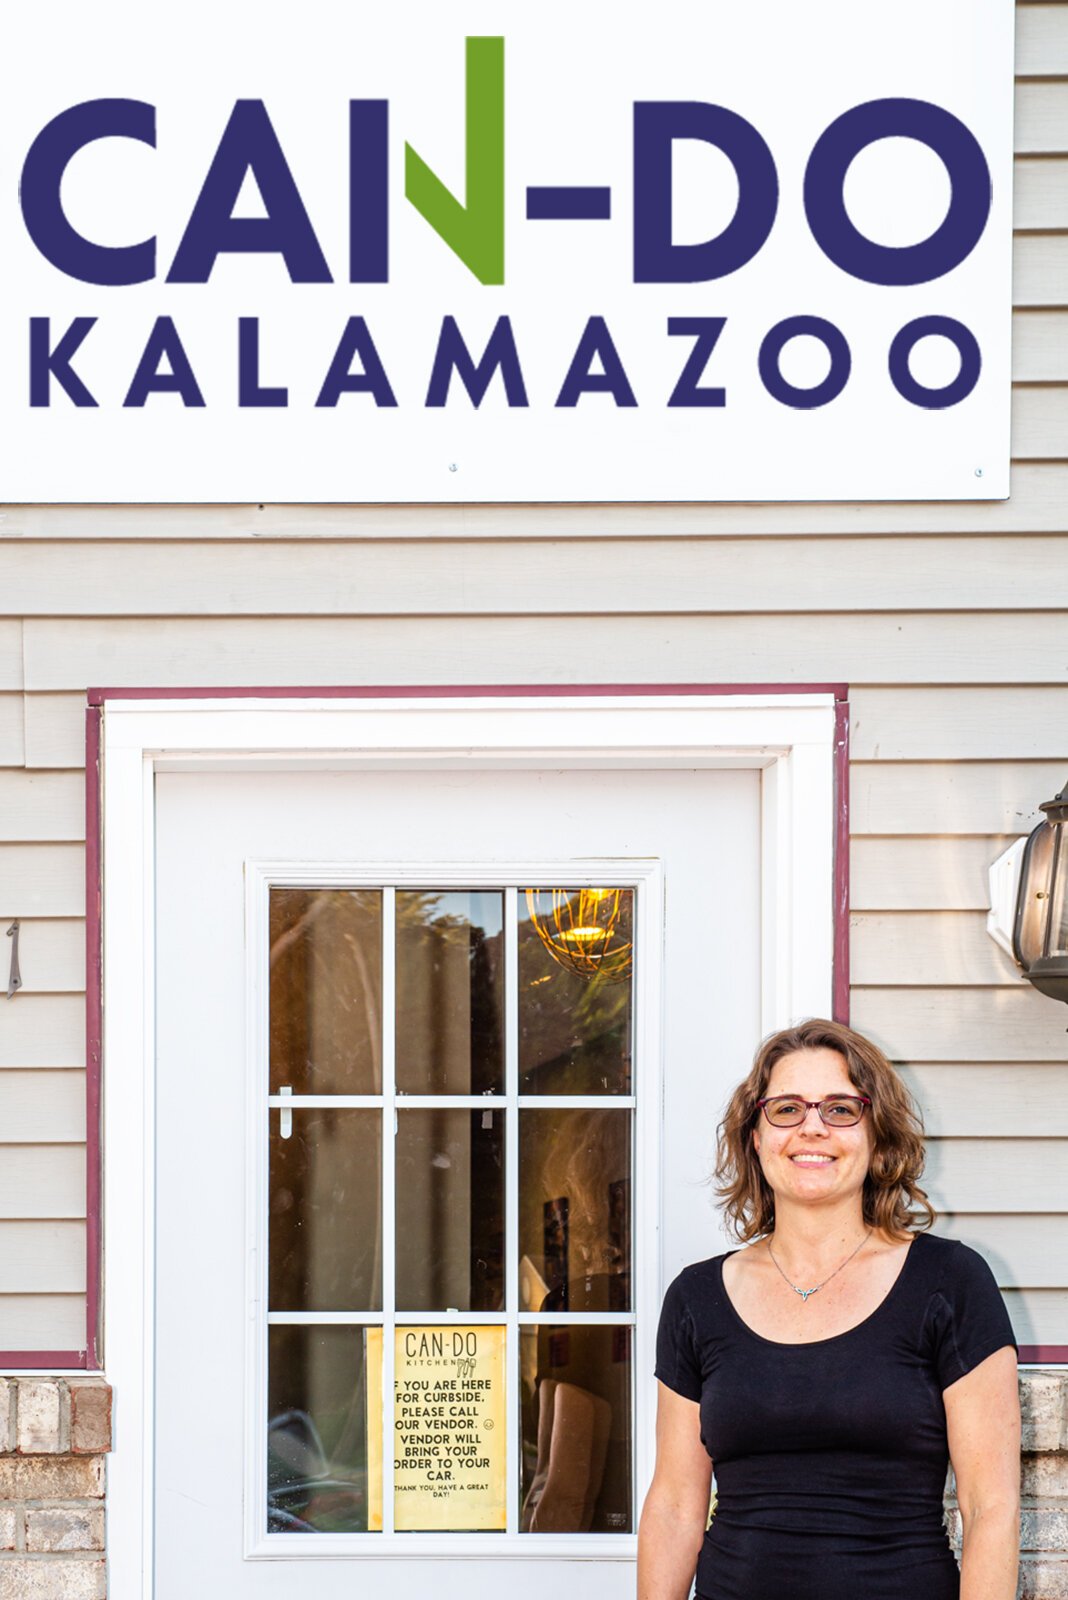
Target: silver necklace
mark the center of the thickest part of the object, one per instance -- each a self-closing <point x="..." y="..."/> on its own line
<point x="806" y="1294"/>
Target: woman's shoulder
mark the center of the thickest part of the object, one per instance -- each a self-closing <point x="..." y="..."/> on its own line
<point x="947" y="1256"/>
<point x="697" y="1280"/>
<point x="951" y="1268"/>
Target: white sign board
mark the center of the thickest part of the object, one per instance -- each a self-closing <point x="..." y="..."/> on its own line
<point x="489" y="252"/>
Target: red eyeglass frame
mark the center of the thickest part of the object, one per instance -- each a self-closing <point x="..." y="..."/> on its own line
<point x="863" y="1100"/>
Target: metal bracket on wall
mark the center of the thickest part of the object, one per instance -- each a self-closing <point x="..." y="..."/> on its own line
<point x="14" y="981"/>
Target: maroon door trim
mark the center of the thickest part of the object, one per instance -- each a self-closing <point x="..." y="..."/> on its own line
<point x="90" y="1356"/>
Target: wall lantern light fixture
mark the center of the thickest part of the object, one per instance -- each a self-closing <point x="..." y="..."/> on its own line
<point x="1029" y="901"/>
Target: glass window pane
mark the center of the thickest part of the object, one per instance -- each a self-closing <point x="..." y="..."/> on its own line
<point x="577" y="1448"/>
<point x="1058" y="917"/>
<point x="324" y="1430"/>
<point x="450" y="1430"/>
<point x="575" y="991"/>
<point x="325" y="1219"/>
<point x="450" y="992"/>
<point x="450" y="1210"/>
<point x="1029" y="936"/>
<point x="574" y="1210"/>
<point x="326" y="991"/>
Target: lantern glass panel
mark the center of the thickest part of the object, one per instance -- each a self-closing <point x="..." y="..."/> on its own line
<point x="1033" y="905"/>
<point x="1058" y="920"/>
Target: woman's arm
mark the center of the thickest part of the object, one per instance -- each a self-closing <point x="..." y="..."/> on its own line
<point x="983" y="1420"/>
<point x="675" y="1513"/>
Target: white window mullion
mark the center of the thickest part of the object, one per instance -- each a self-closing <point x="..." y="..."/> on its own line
<point x="325" y="1319"/>
<point x="389" y="1193"/>
<point x="511" y="1202"/>
<point x="452" y="1102"/>
<point x="335" y="1102"/>
<point x="578" y="1319"/>
<point x="577" y="1102"/>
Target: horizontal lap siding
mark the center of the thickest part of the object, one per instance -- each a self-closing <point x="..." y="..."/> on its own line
<point x="949" y="621"/>
<point x="282" y="580"/>
<point x="904" y="648"/>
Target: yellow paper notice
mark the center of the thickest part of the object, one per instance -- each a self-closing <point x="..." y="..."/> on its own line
<point x="450" y="1438"/>
<point x="373" y="1400"/>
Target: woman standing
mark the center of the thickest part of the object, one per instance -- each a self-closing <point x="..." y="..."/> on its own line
<point x="831" y="1369"/>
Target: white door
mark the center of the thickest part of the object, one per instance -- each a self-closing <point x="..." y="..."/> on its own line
<point x="421" y="1135"/>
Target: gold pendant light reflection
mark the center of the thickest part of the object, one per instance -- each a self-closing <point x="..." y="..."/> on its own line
<point x="580" y="929"/>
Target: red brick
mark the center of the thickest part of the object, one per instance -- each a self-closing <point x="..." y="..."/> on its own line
<point x="90" y="1416"/>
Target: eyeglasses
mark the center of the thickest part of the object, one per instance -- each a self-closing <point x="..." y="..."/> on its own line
<point x="836" y="1110"/>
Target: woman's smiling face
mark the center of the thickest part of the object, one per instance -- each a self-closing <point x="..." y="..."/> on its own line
<point x="813" y="1163"/>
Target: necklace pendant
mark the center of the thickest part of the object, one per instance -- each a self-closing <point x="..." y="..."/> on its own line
<point x="806" y="1293"/>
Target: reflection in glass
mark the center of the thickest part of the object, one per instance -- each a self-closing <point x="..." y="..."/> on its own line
<point x="574" y="1210"/>
<point x="450" y="992"/>
<point x="324" y="1430"/>
<point x="1030" y="933"/>
<point x="574" y="1030"/>
<point x="325" y="1220"/>
<point x="450" y="1210"/>
<point x="326" y="991"/>
<point x="585" y="930"/>
<point x="1058" y="917"/>
<point x="576" y="1418"/>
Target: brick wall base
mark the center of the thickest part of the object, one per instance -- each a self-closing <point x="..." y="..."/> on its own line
<point x="55" y="1433"/>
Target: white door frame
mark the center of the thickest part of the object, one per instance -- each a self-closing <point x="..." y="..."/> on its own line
<point x="790" y="738"/>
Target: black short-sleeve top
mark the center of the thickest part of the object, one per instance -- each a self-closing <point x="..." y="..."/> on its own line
<point x="831" y="1457"/>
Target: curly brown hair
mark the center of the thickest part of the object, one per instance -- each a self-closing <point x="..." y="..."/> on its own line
<point x="893" y="1199"/>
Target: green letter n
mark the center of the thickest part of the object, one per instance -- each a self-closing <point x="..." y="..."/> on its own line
<point x="475" y="230"/>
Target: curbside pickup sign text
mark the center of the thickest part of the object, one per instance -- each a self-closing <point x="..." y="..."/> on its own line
<point x="488" y="252"/>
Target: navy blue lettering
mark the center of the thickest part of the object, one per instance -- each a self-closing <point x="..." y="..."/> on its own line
<point x="969" y="176"/>
<point x="657" y="124"/>
<point x="822" y="393"/>
<point x="249" y="144"/>
<point x="452" y="355"/>
<point x="163" y="343"/>
<point x="249" y="390"/>
<point x="368" y="191"/>
<point x="596" y="342"/>
<point x="705" y="332"/>
<point x="41" y="200"/>
<point x="971" y="363"/>
<point x="46" y="363"/>
<point x="356" y="341"/>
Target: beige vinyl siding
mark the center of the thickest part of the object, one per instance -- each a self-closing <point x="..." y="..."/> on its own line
<point x="42" y="1107"/>
<point x="958" y="797"/>
<point x="41" y="880"/>
<point x="928" y="947"/>
<point x="521" y="578"/>
<point x="54" y="730"/>
<point x="1039" y="490"/>
<point x="949" y="621"/>
<point x="1040" y="193"/>
<point x="42" y="1258"/>
<point x="44" y="1321"/>
<point x="896" y="647"/>
<point x="1039" y="351"/>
